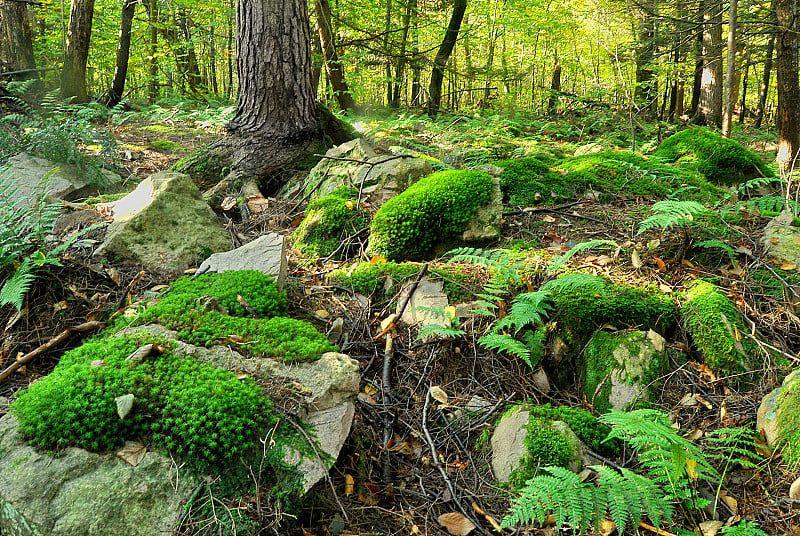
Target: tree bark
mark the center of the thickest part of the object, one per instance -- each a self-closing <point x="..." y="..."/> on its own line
<point x="788" y="91"/>
<point x="79" y="31"/>
<point x="646" y="92"/>
<point x="114" y="94"/>
<point x="16" y="39"/>
<point x="442" y="55"/>
<point x="709" y="111"/>
<point x="399" y="73"/>
<point x="745" y="82"/>
<point x="152" y="59"/>
<point x="332" y="65"/>
<point x="697" y="81"/>
<point x="555" y="89"/>
<point x="763" y="90"/>
<point x="730" y="74"/>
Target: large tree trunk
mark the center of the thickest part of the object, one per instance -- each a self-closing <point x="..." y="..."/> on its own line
<point x="646" y="92"/>
<point x="73" y="74"/>
<point x="709" y="112"/>
<point x="763" y="90"/>
<point x="788" y="91"/>
<point x="730" y="73"/>
<point x="114" y="94"/>
<point x="442" y="55"/>
<point x="16" y="41"/>
<point x="332" y="65"/>
<point x="697" y="80"/>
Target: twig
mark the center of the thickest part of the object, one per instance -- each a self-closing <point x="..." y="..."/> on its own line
<point x="244" y="303"/>
<point x="135" y="280"/>
<point x="61" y="337"/>
<point x="402" y="310"/>
<point x="655" y="530"/>
<point x="534" y="210"/>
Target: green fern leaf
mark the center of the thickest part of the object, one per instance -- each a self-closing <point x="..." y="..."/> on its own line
<point x="17" y="286"/>
<point x="575" y="281"/>
<point x="671" y="213"/>
<point x="557" y="262"/>
<point x="506" y="343"/>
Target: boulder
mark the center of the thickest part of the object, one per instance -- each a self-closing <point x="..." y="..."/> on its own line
<point x="63" y="181"/>
<point x="79" y="493"/>
<point x="429" y="293"/>
<point x="380" y="178"/>
<point x="778" y="419"/>
<point x="519" y="441"/>
<point x="485" y="224"/>
<point x="619" y="366"/>
<point x="164" y="225"/>
<point x="782" y="239"/>
<point x="266" y="254"/>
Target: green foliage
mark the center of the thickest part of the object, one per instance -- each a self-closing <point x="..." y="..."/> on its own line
<point x="528" y="312"/>
<point x="788" y="420"/>
<point x="585" y="425"/>
<point x="329" y="220"/>
<point x="529" y="181"/>
<point x="558" y="261"/>
<point x="712" y="244"/>
<point x="448" y="331"/>
<point x="437" y="207"/>
<point x="544" y="446"/>
<point x="257" y="288"/>
<point x="743" y="528"/>
<point x="578" y="282"/>
<point x="715" y="327"/>
<point x="505" y="263"/>
<point x="672" y="213"/>
<point x="718" y="159"/>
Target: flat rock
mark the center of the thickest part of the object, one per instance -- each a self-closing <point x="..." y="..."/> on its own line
<point x="64" y="181"/>
<point x="266" y="254"/>
<point x="782" y="239"/>
<point x="771" y="408"/>
<point x="429" y="293"/>
<point x="165" y="225"/>
<point x="79" y="493"/>
<point x="485" y="225"/>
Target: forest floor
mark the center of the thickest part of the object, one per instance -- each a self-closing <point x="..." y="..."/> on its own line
<point x="397" y="489"/>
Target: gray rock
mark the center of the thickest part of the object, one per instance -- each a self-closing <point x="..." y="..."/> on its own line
<point x="773" y="405"/>
<point x="78" y="493"/>
<point x="429" y="293"/>
<point x="491" y="169"/>
<point x="782" y="239"/>
<point x="266" y="254"/>
<point x="164" y="225"/>
<point x="485" y="225"/>
<point x="67" y="182"/>
<point x="617" y="365"/>
<point x="380" y="179"/>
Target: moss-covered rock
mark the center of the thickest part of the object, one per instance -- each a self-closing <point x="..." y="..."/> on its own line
<point x="529" y="181"/>
<point x="328" y="221"/>
<point x="206" y="166"/>
<point x="617" y="368"/>
<point x="190" y="310"/>
<point x="778" y="418"/>
<point x="715" y="326"/>
<point x="719" y="160"/>
<point x="438" y="207"/>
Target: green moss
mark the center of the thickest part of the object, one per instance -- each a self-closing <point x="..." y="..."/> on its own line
<point x="161" y="129"/>
<point x="718" y="159"/>
<point x="579" y="311"/>
<point x="183" y="310"/>
<point x="437" y="207"/>
<point x="206" y="166"/>
<point x="789" y="420"/>
<point x="529" y="181"/>
<point x="328" y="220"/>
<point x="703" y="309"/>
<point x="585" y="425"/>
<point x="545" y="446"/>
<point x="166" y="146"/>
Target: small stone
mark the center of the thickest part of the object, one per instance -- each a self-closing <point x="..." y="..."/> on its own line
<point x="794" y="490"/>
<point x="541" y="381"/>
<point x="97" y="363"/>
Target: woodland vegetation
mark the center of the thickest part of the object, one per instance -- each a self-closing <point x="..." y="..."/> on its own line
<point x="247" y="96"/>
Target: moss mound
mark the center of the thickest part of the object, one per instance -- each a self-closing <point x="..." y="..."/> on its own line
<point x="580" y="310"/>
<point x="627" y="173"/>
<point x="585" y="425"/>
<point x="328" y="221"/>
<point x="545" y="446"/>
<point x="713" y="321"/>
<point x="186" y="309"/>
<point x="529" y="181"/>
<point x="437" y="207"/>
<point x="718" y="159"/>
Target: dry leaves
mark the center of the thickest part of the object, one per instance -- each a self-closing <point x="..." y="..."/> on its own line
<point x="456" y="523"/>
<point x="438" y="394"/>
<point x="132" y="453"/>
<point x="124" y="405"/>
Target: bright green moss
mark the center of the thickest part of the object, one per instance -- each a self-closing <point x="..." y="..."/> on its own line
<point x="435" y="208"/>
<point x="529" y="181"/>
<point x="788" y="421"/>
<point x="165" y="146"/>
<point x="328" y="221"/>
<point x="703" y="309"/>
<point x="718" y="159"/>
<point x="545" y="446"/>
<point x="258" y="289"/>
<point x="579" y="311"/>
<point x="585" y="425"/>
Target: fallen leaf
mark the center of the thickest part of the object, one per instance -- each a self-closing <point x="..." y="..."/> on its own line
<point x="364" y="397"/>
<point x="159" y="288"/>
<point x="775" y="240"/>
<point x="322" y="314"/>
<point x="132" y="453"/>
<point x="711" y="528"/>
<point x="60" y="306"/>
<point x="114" y="275"/>
<point x="438" y="394"/>
<point x="258" y="204"/>
<point x="376" y="260"/>
<point x="370" y="389"/>
<point x="732" y="503"/>
<point x="691" y="468"/>
<point x="140" y="353"/>
<point x="696" y="434"/>
<point x="124" y="405"/>
<point x="548" y="218"/>
<point x="228" y="203"/>
<point x="636" y="261"/>
<point x="604" y="260"/>
<point x="386" y="322"/>
<point x="236" y="338"/>
<point x="666" y="289"/>
<point x="607" y="527"/>
<point x="689" y="400"/>
<point x="349" y="204"/>
<point x="456" y="523"/>
<point x="349" y="484"/>
<point x="306" y="533"/>
<point x="788" y="265"/>
<point x="662" y="267"/>
<point x="687" y="263"/>
<point x="723" y="411"/>
<point x="653" y="244"/>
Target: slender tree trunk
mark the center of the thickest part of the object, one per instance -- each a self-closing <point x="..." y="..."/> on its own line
<point x="230" y="56"/>
<point x="416" y="68"/>
<point x="730" y="74"/>
<point x="763" y="90"/>
<point x="399" y="72"/>
<point x="152" y="17"/>
<point x="699" y="62"/>
<point x="318" y="62"/>
<point x="442" y="55"/>
<point x="555" y="89"/>
<point x="388" y="64"/>
<point x="710" y="109"/>
<point x="16" y="38"/>
<point x="114" y="94"/>
<point x="745" y="81"/>
<point x="646" y="92"/>
<point x="73" y="74"/>
<point x="212" y="61"/>
<point x="788" y="91"/>
<point x="332" y="65"/>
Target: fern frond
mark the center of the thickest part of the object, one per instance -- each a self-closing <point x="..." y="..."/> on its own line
<point x="710" y="244"/>
<point x="559" y="261"/>
<point x="506" y="343"/>
<point x="744" y="528"/>
<point x="671" y="213"/>
<point x="440" y="332"/>
<point x="526" y="310"/>
<point x="17" y="286"/>
<point x="590" y="283"/>
<point x="502" y="261"/>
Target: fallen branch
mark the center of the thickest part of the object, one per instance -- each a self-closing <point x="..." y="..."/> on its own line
<point x="58" y="339"/>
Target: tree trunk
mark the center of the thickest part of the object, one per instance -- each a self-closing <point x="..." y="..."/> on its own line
<point x="730" y="74"/>
<point x="697" y="81"/>
<point x="709" y="112"/>
<point x="788" y="91"/>
<point x="416" y="69"/>
<point x="73" y="74"/>
<point x="332" y="65"/>
<point x="442" y="55"/>
<point x="114" y="94"/>
<point x="388" y="60"/>
<point x="646" y="92"/>
<point x="152" y="70"/>
<point x="555" y="89"/>
<point x="16" y="39"/>
<point x="745" y="82"/>
<point x="399" y="73"/>
<point x="764" y="89"/>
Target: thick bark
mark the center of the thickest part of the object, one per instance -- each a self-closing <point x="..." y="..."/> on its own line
<point x="16" y="41"/>
<point x="114" y="94"/>
<point x="555" y="89"/>
<point x="730" y="73"/>
<point x="763" y="90"/>
<point x="788" y="91"/>
<point x="333" y="66"/>
<point x="442" y="55"/>
<point x="79" y="31"/>
<point x="709" y="111"/>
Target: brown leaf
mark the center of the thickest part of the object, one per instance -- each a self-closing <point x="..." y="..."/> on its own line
<point x="636" y="261"/>
<point x="228" y="203"/>
<point x="732" y="503"/>
<point x="456" y="523"/>
<point x="438" y="394"/>
<point x="114" y="274"/>
<point x="132" y="453"/>
<point x="662" y="267"/>
<point x="364" y="397"/>
<point x="548" y="218"/>
<point x="607" y="527"/>
<point x="377" y="259"/>
<point x="349" y="484"/>
<point x="788" y="265"/>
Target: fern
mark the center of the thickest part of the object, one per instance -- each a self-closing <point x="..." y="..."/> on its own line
<point x="559" y="261"/>
<point x="437" y="330"/>
<point x="743" y="528"/>
<point x="755" y="183"/>
<point x="526" y="310"/>
<point x="668" y="214"/>
<point x="769" y="204"/>
<point x="16" y="287"/>
<point x="590" y="283"/>
<point x="721" y="245"/>
<point x="625" y="497"/>
<point x="501" y="261"/>
<point x="506" y="343"/>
